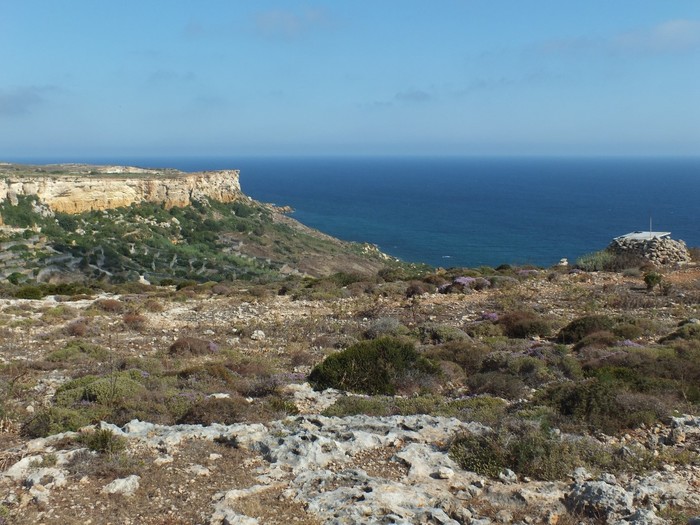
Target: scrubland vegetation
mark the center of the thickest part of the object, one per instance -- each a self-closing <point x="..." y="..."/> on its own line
<point x="574" y="351"/>
<point x="549" y="360"/>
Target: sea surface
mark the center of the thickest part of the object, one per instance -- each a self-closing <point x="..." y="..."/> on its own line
<point x="473" y="211"/>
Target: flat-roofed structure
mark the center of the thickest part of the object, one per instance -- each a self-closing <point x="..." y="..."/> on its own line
<point x="643" y="236"/>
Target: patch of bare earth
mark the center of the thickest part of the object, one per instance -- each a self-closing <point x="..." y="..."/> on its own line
<point x="171" y="493"/>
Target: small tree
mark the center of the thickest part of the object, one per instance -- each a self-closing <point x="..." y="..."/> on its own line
<point x="652" y="279"/>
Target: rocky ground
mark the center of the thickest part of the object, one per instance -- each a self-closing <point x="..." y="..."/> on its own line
<point x="285" y="459"/>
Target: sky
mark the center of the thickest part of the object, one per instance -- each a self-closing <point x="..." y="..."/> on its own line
<point x="90" y="78"/>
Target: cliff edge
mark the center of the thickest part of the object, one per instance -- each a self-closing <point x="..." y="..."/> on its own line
<point x="78" y="188"/>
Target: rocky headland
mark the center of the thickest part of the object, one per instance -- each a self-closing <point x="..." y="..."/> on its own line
<point x="78" y="188"/>
<point x="71" y="222"/>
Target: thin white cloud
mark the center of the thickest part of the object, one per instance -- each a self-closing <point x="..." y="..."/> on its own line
<point x="194" y="30"/>
<point x="673" y="36"/>
<point x="669" y="37"/>
<point x="413" y="95"/>
<point x="19" y="101"/>
<point x="285" y="24"/>
<point x="168" y="76"/>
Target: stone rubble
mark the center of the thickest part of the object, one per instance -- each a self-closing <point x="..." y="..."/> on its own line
<point x="660" y="251"/>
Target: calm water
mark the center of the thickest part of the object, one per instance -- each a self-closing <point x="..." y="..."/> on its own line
<point x="472" y="212"/>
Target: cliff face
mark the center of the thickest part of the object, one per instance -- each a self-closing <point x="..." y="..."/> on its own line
<point x="113" y="187"/>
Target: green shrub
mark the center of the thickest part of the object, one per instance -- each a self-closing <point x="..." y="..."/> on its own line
<point x="53" y="420"/>
<point x="694" y="253"/>
<point x="215" y="410"/>
<point x="103" y="441"/>
<point x="110" y="390"/>
<point x="109" y="305"/>
<point x="484" y="409"/>
<point x="501" y="384"/>
<point x="385" y="327"/>
<point x="440" y="333"/>
<point x="481" y="454"/>
<point x="688" y="332"/>
<point x="580" y="328"/>
<point x="652" y="280"/>
<point x="468" y="355"/>
<point x="503" y="281"/>
<point x="29" y="292"/>
<point x="191" y="346"/>
<point x="527" y="450"/>
<point x="523" y="325"/>
<point x="22" y="214"/>
<point x="601" y="339"/>
<point x="608" y="261"/>
<point x="134" y="321"/>
<point x="627" y="330"/>
<point x="605" y="402"/>
<point x="78" y="350"/>
<point x="481" y="329"/>
<point x="380" y="366"/>
<point x="419" y="288"/>
<point x="184" y="284"/>
<point x="355" y="405"/>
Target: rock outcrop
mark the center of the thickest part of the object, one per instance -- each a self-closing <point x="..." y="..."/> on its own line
<point x="75" y="189"/>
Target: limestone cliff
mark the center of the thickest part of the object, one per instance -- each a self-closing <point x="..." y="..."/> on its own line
<point x="76" y="188"/>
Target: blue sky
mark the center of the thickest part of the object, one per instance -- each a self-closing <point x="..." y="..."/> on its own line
<point x="472" y="77"/>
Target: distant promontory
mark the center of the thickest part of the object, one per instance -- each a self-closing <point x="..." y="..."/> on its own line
<point x="77" y="188"/>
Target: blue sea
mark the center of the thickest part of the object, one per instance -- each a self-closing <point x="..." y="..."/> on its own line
<point x="474" y="211"/>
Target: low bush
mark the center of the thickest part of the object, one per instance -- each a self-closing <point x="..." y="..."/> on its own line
<point x="29" y="292"/>
<point x="419" y="288"/>
<point x="355" y="405"/>
<point x="185" y="346"/>
<point x="481" y="329"/>
<point x="687" y="331"/>
<point x="524" y="324"/>
<point x="626" y="330"/>
<point x="601" y="339"/>
<point x="527" y="450"/>
<point x="503" y="281"/>
<point x="440" y="333"/>
<point x="484" y="409"/>
<point x="694" y="253"/>
<point x="110" y="390"/>
<point x="607" y="261"/>
<point x="109" y="305"/>
<point x="215" y="410"/>
<point x="652" y="280"/>
<point x="580" y="328"/>
<point x="53" y="420"/>
<point x="103" y="441"/>
<point x="501" y="384"/>
<point x="385" y="327"/>
<point x="78" y="351"/>
<point x="107" y="391"/>
<point x="468" y="355"/>
<point x="604" y="403"/>
<point x="380" y="366"/>
<point x="134" y="321"/>
<point x="77" y="328"/>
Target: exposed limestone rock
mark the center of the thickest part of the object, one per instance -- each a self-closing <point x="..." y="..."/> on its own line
<point x="116" y="186"/>
<point x="599" y="498"/>
<point x="124" y="486"/>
